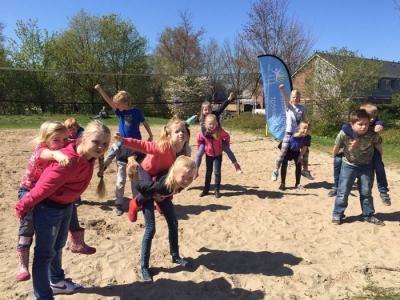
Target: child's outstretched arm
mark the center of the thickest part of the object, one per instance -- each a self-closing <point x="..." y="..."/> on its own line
<point x="192" y="119"/>
<point x="285" y="97"/>
<point x="140" y="145"/>
<point x="62" y="159"/>
<point x="105" y="96"/>
<point x="146" y="125"/>
<point x="224" y="105"/>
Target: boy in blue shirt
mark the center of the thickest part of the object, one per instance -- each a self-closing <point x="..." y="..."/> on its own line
<point x="381" y="180"/>
<point x="129" y="123"/>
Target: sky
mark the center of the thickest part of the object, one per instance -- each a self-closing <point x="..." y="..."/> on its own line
<point x="370" y="27"/>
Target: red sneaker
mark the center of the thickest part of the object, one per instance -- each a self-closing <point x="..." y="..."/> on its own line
<point x="158" y="208"/>
<point x="133" y="208"/>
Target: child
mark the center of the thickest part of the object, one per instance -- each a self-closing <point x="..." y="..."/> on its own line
<point x="52" y="199"/>
<point x="129" y="123"/>
<point x="357" y="163"/>
<point x="179" y="176"/>
<point x="298" y="145"/>
<point x="206" y="110"/>
<point x="172" y="143"/>
<point x="213" y="148"/>
<point x="52" y="136"/>
<point x="377" y="126"/>
<point x="102" y="114"/>
<point x="295" y="113"/>
<point x="127" y="161"/>
<point x="75" y="130"/>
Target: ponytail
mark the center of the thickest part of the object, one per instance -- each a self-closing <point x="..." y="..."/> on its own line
<point x="101" y="187"/>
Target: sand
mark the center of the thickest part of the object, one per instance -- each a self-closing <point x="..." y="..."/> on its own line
<point x="255" y="242"/>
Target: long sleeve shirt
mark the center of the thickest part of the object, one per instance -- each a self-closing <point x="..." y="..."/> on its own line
<point x="62" y="185"/>
<point x="213" y="147"/>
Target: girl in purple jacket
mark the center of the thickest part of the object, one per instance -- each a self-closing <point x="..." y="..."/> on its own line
<point x="213" y="148"/>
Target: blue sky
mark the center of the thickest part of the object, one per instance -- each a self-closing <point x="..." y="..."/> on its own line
<point x="370" y="27"/>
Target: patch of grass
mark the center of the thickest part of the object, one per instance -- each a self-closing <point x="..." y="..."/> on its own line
<point x="34" y="121"/>
<point x="372" y="292"/>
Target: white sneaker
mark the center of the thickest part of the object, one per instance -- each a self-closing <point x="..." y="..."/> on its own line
<point x="66" y="286"/>
<point x="274" y="176"/>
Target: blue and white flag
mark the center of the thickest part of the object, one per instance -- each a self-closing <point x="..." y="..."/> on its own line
<point x="274" y="73"/>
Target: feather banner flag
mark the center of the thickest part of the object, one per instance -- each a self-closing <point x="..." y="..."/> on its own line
<point x="274" y="73"/>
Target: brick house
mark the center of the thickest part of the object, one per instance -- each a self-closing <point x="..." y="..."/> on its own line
<point x="388" y="84"/>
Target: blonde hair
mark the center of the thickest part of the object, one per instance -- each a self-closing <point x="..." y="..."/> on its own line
<point x="71" y="122"/>
<point x="212" y="117"/>
<point x="165" y="136"/>
<point x="122" y="97"/>
<point x="205" y="103"/>
<point x="369" y="107"/>
<point x="132" y="169"/>
<point x="47" y="130"/>
<point x="95" y="127"/>
<point x="305" y="123"/>
<point x="184" y="162"/>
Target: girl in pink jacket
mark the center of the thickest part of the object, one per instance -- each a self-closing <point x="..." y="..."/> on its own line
<point x="213" y="149"/>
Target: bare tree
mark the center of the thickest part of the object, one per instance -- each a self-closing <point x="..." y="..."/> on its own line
<point x="214" y="67"/>
<point x="179" y="50"/>
<point x="271" y="31"/>
<point x="239" y="72"/>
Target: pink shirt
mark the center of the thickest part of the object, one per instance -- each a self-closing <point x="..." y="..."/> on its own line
<point x="62" y="185"/>
<point x="34" y="169"/>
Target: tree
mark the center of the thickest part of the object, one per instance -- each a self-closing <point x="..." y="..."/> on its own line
<point x="214" y="68"/>
<point x="270" y="30"/>
<point x="240" y="74"/>
<point x="185" y="94"/>
<point x="30" y="52"/>
<point x="179" y="50"/>
<point x="337" y="78"/>
<point x="106" y="44"/>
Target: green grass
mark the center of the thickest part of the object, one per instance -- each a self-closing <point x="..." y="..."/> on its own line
<point x="373" y="292"/>
<point x="34" y="121"/>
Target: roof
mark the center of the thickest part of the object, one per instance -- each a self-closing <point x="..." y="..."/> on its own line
<point x="390" y="69"/>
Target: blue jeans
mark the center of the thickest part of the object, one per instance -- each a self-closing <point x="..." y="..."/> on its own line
<point x="168" y="210"/>
<point x="26" y="225"/>
<point x="348" y="174"/>
<point x="379" y="168"/>
<point x="225" y="147"/>
<point x="337" y="165"/>
<point x="51" y="227"/>
<point x="380" y="172"/>
<point x="213" y="162"/>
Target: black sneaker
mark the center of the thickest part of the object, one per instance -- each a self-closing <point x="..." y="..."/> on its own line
<point x="118" y="210"/>
<point x="202" y="194"/>
<point x="146" y="275"/>
<point x="332" y="192"/>
<point x="375" y="221"/>
<point x="385" y="199"/>
<point x="217" y="194"/>
<point x="181" y="261"/>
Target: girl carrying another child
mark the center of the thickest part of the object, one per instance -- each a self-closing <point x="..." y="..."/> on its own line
<point x="204" y="111"/>
<point x="172" y="143"/>
<point x="298" y="145"/>
<point x="295" y="113"/>
<point x="52" y="199"/>
<point x="213" y="142"/>
<point x="51" y="137"/>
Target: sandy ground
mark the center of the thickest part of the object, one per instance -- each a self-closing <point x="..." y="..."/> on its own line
<point x="255" y="242"/>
